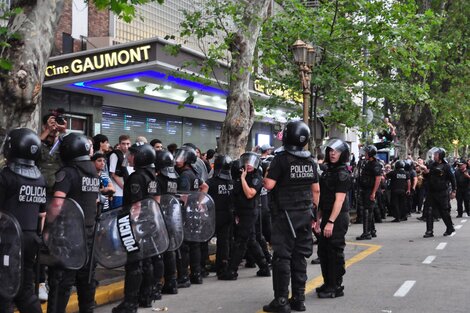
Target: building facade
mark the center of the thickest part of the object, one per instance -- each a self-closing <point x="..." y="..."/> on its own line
<point x="117" y="78"/>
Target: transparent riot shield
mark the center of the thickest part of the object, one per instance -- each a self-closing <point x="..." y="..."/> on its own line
<point x="171" y="208"/>
<point x="11" y="258"/>
<point x="198" y="217"/>
<point x="64" y="235"/>
<point x="135" y="232"/>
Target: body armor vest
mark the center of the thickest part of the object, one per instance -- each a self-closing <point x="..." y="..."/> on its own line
<point x="294" y="192"/>
<point x="24" y="198"/>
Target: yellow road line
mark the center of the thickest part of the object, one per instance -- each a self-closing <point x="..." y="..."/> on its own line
<point x="115" y="291"/>
<point x="318" y="281"/>
<point x="104" y="295"/>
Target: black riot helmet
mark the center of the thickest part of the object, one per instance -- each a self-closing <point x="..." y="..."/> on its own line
<point x="165" y="163"/>
<point x="22" y="145"/>
<point x="222" y="166"/>
<point x="74" y="147"/>
<point x="186" y="154"/>
<point x="341" y="147"/>
<point x="408" y="165"/>
<point x="399" y="164"/>
<point x="266" y="162"/>
<point x="441" y="152"/>
<point x="235" y="169"/>
<point x="163" y="159"/>
<point x="249" y="158"/>
<point x="294" y="137"/>
<point x="144" y="154"/>
<point x="371" y="151"/>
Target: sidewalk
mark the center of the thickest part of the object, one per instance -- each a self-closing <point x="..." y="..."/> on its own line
<point x="110" y="289"/>
<point x="110" y="286"/>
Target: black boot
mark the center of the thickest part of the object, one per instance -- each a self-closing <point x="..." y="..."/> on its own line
<point x="428" y="234"/>
<point x="365" y="226"/>
<point x="183" y="282"/>
<point x="328" y="292"/>
<point x="170" y="287"/>
<point x="297" y="303"/>
<point x="364" y="237"/>
<point x="278" y="305"/>
<point x="264" y="271"/>
<point x="228" y="275"/>
<point x="196" y="278"/>
<point x="157" y="292"/>
<point x="126" y="307"/>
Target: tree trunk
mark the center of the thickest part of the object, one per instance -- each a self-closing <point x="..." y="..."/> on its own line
<point x="414" y="120"/>
<point x="20" y="88"/>
<point x="240" y="111"/>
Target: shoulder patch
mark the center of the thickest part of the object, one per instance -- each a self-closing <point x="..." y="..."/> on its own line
<point x="343" y="176"/>
<point x="60" y="176"/>
<point x="135" y="188"/>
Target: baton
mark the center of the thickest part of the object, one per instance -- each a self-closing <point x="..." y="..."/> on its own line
<point x="290" y="225"/>
<point x="95" y="229"/>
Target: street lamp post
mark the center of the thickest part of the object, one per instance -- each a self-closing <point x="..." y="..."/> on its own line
<point x="304" y="57"/>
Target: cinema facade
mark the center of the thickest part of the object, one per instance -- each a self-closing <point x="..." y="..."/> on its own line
<point x="138" y="89"/>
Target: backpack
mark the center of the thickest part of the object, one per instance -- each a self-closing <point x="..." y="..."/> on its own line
<point x="121" y="170"/>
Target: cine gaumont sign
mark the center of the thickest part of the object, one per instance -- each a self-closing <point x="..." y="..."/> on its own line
<point x="100" y="61"/>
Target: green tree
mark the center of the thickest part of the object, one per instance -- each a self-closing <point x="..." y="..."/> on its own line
<point x="26" y="43"/>
<point x="239" y="24"/>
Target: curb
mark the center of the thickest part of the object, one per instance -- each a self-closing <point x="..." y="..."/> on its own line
<point x="104" y="295"/>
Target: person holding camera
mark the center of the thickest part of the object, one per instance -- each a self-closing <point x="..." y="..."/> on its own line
<point x="53" y="125"/>
<point x="49" y="162"/>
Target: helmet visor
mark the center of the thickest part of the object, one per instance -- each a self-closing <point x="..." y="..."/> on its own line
<point x="181" y="155"/>
<point x="337" y="144"/>
<point x="249" y="159"/>
<point x="430" y="154"/>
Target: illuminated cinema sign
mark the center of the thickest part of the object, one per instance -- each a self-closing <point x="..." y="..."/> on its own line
<point x="100" y="61"/>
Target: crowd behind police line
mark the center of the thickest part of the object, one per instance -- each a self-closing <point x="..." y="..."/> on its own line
<point x="241" y="231"/>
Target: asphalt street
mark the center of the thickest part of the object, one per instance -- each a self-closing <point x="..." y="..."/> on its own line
<point x="399" y="271"/>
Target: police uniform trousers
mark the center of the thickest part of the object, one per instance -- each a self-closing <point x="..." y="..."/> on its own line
<point x="331" y="250"/>
<point x="289" y="257"/>
<point x="61" y="282"/>
<point x="25" y="300"/>
<point x="169" y="266"/>
<point x="463" y="200"/>
<point x="398" y="199"/>
<point x="245" y="239"/>
<point x="438" y="200"/>
<point x="152" y="274"/>
<point x="190" y="255"/>
<point x="265" y="220"/>
<point x="223" y="232"/>
<point x="368" y="221"/>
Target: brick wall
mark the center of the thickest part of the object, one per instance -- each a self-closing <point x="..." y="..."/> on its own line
<point x="98" y="26"/>
<point x="98" y="22"/>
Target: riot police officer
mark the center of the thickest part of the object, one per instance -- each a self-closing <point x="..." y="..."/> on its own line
<point x="23" y="195"/>
<point x="138" y="186"/>
<point x="185" y="158"/>
<point x="220" y="189"/>
<point x="462" y="177"/>
<point x="438" y="175"/>
<point x="369" y="182"/>
<point x="78" y="180"/>
<point x="246" y="192"/>
<point x="333" y="218"/>
<point x="293" y="180"/>
<point x="400" y="187"/>
<point x="167" y="179"/>
<point x="409" y="169"/>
